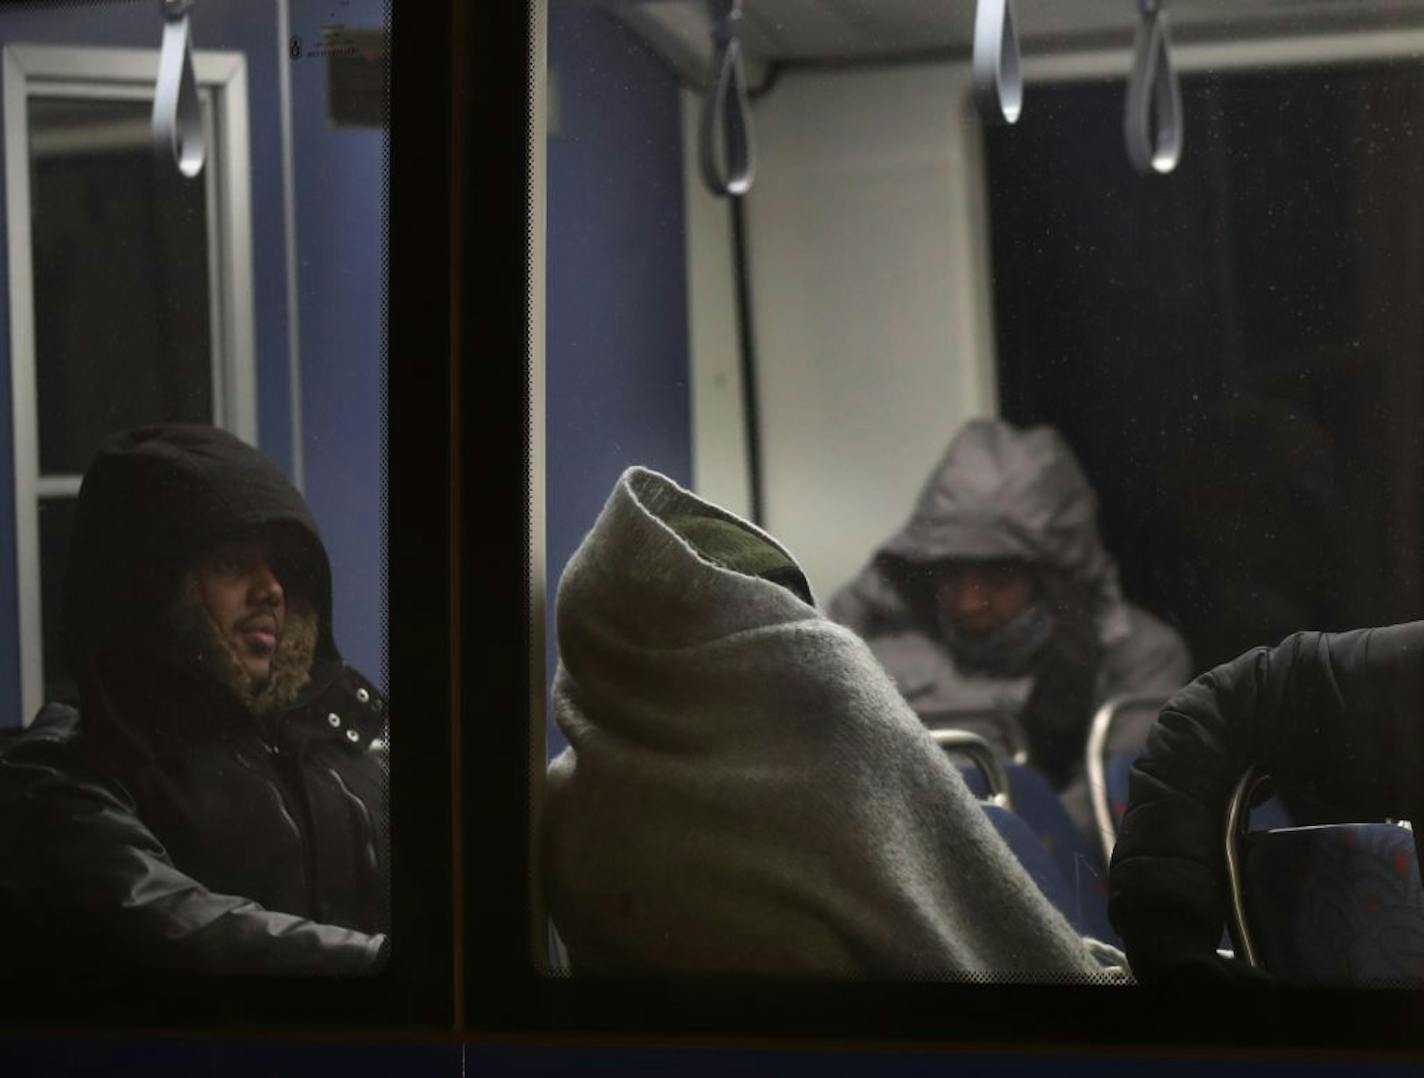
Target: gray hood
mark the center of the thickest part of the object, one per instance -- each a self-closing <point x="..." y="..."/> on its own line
<point x="998" y="492"/>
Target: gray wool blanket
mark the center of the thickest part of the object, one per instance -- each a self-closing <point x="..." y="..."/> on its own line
<point x="746" y="791"/>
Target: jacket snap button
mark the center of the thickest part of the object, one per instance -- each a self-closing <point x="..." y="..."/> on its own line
<point x="333" y="720"/>
<point x="363" y="695"/>
<point x="352" y="736"/>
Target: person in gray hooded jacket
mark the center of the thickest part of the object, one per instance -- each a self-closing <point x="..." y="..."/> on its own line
<point x="996" y="607"/>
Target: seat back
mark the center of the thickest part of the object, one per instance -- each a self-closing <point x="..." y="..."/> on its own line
<point x="1036" y="802"/>
<point x="1022" y="807"/>
<point x="1115" y="784"/>
<point x="1327" y="903"/>
<point x="1037" y="862"/>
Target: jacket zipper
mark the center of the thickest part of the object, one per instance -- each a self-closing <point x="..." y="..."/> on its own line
<point x="288" y="767"/>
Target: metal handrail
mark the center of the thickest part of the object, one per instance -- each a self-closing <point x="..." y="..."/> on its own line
<point x="1095" y="764"/>
<point x="1238" y="813"/>
<point x="177" y="114"/>
<point x="997" y="72"/>
<point x="1152" y="124"/>
<point x="1005" y="720"/>
<point x="982" y="754"/>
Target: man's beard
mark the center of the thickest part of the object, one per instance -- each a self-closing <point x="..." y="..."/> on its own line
<point x="288" y="671"/>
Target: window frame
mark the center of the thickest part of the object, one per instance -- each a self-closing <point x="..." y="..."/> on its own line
<point x="30" y="71"/>
<point x="1056" y="65"/>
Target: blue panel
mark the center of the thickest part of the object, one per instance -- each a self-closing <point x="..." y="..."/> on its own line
<point x="150" y="1058"/>
<point x="236" y="25"/>
<point x="617" y="350"/>
<point x="645" y="1062"/>
<point x="341" y="286"/>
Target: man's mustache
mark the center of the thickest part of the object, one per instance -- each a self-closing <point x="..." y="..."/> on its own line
<point x="265" y="620"/>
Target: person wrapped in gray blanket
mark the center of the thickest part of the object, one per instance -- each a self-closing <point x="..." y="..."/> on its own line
<point x="745" y="790"/>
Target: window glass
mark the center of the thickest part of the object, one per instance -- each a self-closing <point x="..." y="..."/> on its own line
<point x="1231" y="350"/>
<point x="123" y="320"/>
<point x="192" y="504"/>
<point x="1052" y="416"/>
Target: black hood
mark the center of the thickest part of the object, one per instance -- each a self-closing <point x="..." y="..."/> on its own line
<point x="153" y="500"/>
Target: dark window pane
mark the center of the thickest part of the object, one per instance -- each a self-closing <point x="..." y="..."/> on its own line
<point x="1233" y="350"/>
<point x="122" y="331"/>
<point x="56" y="521"/>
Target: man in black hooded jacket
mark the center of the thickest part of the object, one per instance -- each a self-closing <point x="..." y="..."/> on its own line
<point x="218" y="801"/>
<point x="1336" y="720"/>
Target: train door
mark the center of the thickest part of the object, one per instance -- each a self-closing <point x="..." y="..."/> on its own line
<point x="129" y="290"/>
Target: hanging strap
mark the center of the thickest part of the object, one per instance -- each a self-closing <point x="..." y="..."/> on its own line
<point x="177" y="117"/>
<point x="725" y="141"/>
<point x="1153" y="122"/>
<point x="998" y="77"/>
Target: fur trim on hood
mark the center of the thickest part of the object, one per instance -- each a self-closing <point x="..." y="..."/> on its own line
<point x="199" y="634"/>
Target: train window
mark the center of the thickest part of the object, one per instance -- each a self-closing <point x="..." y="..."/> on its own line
<point x="1224" y="343"/>
<point x="193" y="497"/>
<point x="797" y="264"/>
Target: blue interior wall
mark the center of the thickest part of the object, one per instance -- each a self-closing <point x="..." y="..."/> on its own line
<point x="616" y="328"/>
<point x="339" y="174"/>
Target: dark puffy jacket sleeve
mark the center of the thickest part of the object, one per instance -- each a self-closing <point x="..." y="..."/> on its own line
<point x="85" y="881"/>
<point x="1335" y="719"/>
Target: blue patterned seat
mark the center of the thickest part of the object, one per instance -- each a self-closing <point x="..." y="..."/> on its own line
<point x="1042" y="868"/>
<point x="1038" y="830"/>
<point x="1340" y="903"/>
<point x="1036" y="802"/>
<point x="1335" y="903"/>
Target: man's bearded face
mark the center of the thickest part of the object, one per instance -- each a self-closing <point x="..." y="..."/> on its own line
<point x="245" y="601"/>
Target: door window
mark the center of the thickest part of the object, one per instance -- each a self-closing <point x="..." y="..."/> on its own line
<point x="138" y="305"/>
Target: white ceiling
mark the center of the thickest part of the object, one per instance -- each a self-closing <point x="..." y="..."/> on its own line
<point x="828" y="31"/>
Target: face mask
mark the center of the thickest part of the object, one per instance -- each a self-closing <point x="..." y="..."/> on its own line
<point x="1008" y="650"/>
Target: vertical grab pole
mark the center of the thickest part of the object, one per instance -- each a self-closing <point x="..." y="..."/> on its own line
<point x="725" y="132"/>
<point x="1152" y="124"/>
<point x="177" y="117"/>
